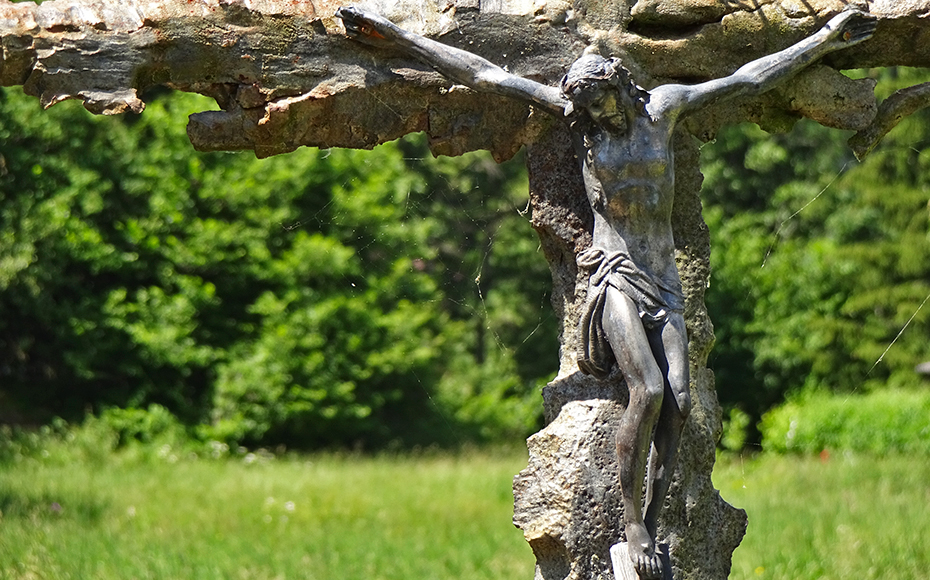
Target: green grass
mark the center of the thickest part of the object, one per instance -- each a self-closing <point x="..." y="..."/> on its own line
<point x="418" y="517"/>
<point x="838" y="518"/>
<point x="320" y="518"/>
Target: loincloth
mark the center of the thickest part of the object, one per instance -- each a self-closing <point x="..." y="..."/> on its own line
<point x="654" y="301"/>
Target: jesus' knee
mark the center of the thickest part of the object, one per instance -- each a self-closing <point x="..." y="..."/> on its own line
<point x="683" y="398"/>
<point x="647" y="394"/>
<point x="679" y="391"/>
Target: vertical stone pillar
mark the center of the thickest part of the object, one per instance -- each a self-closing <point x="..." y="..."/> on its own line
<point x="567" y="500"/>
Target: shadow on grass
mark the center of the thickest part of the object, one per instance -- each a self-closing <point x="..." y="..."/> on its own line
<point x="48" y="506"/>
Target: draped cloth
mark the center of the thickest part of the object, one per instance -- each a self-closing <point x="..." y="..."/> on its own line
<point x="654" y="301"/>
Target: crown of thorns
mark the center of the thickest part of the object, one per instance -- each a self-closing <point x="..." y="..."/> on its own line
<point x="587" y="77"/>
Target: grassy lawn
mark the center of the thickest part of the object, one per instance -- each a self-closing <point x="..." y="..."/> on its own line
<point x="412" y="518"/>
<point x="840" y="518"/>
<point x="319" y="518"/>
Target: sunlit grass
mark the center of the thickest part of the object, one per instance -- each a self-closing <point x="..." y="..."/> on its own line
<point x="324" y="517"/>
<point x="419" y="517"/>
<point x="832" y="518"/>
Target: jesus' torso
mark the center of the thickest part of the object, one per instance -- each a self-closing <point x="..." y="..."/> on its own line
<point x="629" y="179"/>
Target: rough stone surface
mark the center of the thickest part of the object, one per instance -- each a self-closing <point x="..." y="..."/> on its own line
<point x="285" y="77"/>
<point x="899" y="105"/>
<point x="677" y="14"/>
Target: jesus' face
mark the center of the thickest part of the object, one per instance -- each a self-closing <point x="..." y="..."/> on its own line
<point x="606" y="110"/>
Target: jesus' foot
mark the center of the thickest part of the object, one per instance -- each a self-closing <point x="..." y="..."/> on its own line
<point x="642" y="552"/>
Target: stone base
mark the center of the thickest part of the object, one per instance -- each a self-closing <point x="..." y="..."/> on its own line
<point x="623" y="567"/>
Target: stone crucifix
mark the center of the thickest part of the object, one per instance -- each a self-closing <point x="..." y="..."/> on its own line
<point x="622" y="136"/>
<point x="285" y="76"/>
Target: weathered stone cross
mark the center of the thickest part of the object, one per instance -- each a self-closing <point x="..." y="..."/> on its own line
<point x="285" y="76"/>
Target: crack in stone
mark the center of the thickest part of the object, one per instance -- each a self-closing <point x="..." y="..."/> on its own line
<point x="670" y="19"/>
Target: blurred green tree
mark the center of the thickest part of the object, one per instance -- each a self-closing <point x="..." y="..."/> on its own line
<point x="319" y="298"/>
<point x="819" y="261"/>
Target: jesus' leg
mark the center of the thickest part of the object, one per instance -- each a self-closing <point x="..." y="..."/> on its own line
<point x="646" y="384"/>
<point x="671" y="349"/>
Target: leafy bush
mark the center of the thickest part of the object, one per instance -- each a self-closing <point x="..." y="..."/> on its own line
<point x="735" y="426"/>
<point x="139" y="433"/>
<point x="880" y="422"/>
<point x="819" y="261"/>
<point x="318" y="299"/>
<point x="153" y="425"/>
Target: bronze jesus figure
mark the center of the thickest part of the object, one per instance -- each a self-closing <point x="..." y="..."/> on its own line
<point x="622" y="136"/>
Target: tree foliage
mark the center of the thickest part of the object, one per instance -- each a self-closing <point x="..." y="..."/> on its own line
<point x="340" y="297"/>
<point x="819" y="261"/>
<point x="322" y="297"/>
